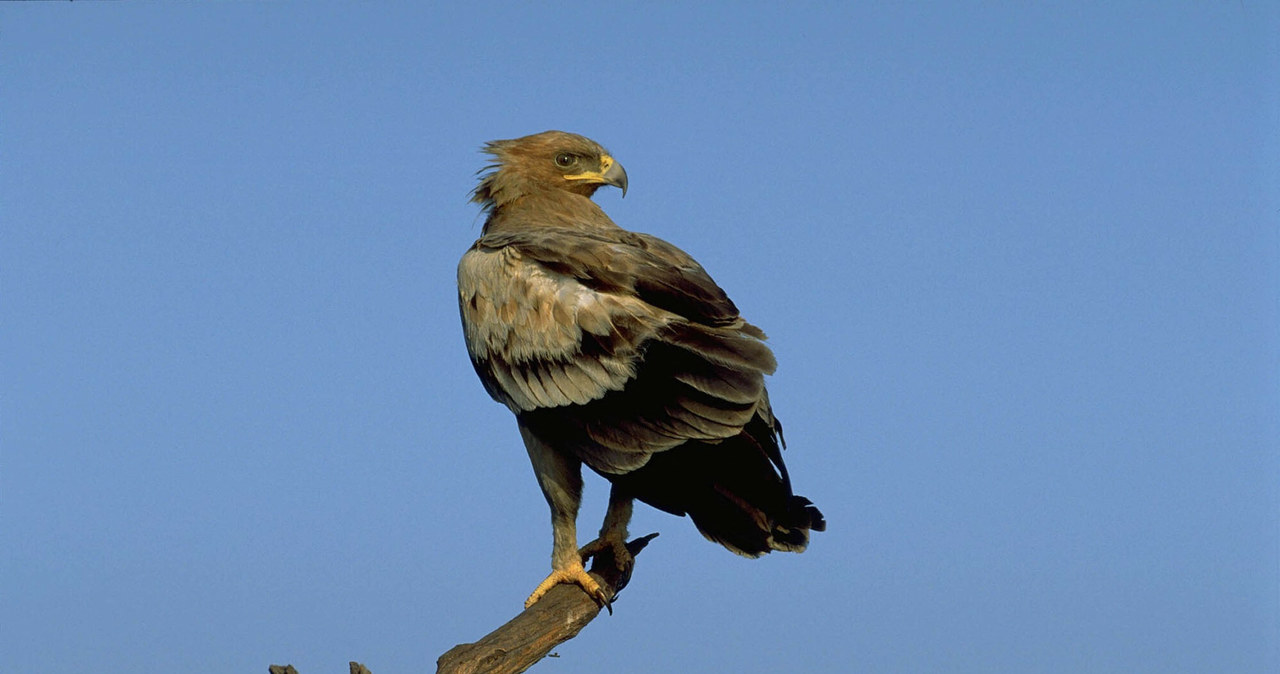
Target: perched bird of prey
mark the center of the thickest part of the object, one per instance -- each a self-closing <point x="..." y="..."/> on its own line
<point x="616" y="350"/>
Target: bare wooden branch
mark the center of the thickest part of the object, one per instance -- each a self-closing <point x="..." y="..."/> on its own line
<point x="527" y="638"/>
<point x="353" y="667"/>
<point x="555" y="619"/>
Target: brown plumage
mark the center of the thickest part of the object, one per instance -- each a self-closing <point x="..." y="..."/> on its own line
<point x="617" y="350"/>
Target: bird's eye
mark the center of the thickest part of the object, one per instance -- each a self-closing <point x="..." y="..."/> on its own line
<point x="564" y="160"/>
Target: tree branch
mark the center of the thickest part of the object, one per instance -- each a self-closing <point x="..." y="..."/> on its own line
<point x="353" y="667"/>
<point x="527" y="638"/>
<point x="555" y="619"/>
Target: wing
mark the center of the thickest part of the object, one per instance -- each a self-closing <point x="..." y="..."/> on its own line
<point x="618" y="261"/>
<point x="612" y="346"/>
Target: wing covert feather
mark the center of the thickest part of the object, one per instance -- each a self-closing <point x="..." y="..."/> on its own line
<point x="611" y="345"/>
<point x="641" y="265"/>
<point x="541" y="339"/>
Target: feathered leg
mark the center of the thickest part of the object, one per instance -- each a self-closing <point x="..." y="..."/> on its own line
<point x="560" y="477"/>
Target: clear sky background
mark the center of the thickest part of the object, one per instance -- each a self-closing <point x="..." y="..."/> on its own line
<point x="1020" y="266"/>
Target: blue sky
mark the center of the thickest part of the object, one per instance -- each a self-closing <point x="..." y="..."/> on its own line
<point x="1020" y="266"/>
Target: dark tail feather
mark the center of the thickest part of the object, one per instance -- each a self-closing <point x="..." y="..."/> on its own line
<point x="732" y="491"/>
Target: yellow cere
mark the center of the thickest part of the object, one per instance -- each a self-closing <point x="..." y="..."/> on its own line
<point x="605" y="162"/>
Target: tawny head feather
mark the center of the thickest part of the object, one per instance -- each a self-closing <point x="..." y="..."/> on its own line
<point x="545" y="162"/>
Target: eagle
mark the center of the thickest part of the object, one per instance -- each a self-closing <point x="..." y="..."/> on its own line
<point x="617" y="350"/>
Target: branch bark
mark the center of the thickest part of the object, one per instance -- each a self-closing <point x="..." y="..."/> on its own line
<point x="353" y="666"/>
<point x="555" y="619"/>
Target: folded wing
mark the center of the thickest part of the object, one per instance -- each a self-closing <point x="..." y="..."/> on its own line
<point x="612" y="346"/>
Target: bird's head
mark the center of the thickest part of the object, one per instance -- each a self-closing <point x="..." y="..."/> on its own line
<point x="545" y="162"/>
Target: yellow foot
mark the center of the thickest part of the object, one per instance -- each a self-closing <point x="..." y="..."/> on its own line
<point x="622" y="558"/>
<point x="575" y="574"/>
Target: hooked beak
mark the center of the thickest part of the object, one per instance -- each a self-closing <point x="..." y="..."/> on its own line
<point x="613" y="173"/>
<point x="610" y="173"/>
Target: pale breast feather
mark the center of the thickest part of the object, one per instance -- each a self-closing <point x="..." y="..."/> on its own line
<point x="539" y="338"/>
